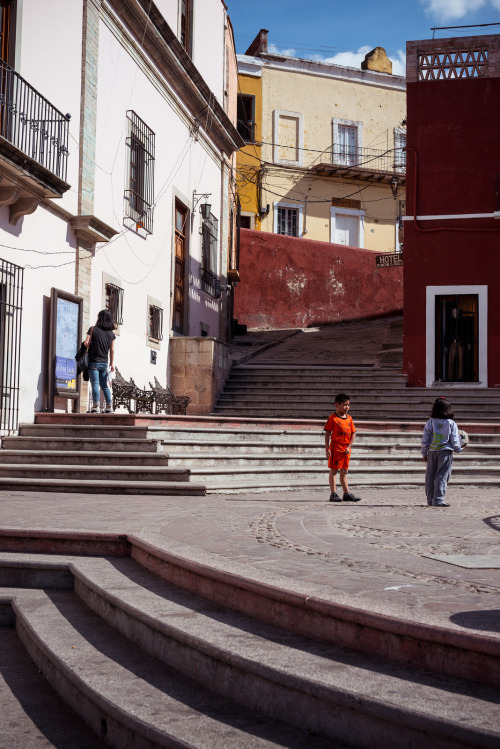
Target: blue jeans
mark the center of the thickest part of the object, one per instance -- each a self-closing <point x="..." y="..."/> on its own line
<point x="439" y="465"/>
<point x="98" y="376"/>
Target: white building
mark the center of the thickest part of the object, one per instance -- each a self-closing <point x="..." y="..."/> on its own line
<point x="104" y="206"/>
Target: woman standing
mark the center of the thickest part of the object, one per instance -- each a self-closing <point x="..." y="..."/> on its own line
<point x="100" y="341"/>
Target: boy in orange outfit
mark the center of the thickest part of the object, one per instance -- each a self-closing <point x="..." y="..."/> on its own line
<point x="339" y="436"/>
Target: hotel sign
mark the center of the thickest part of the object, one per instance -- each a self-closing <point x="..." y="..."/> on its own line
<point x="389" y="260"/>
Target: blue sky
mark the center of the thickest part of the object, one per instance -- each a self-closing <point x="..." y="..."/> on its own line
<point x="318" y="30"/>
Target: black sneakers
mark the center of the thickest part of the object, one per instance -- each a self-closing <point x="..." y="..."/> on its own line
<point x="334" y="497"/>
<point x="349" y="497"/>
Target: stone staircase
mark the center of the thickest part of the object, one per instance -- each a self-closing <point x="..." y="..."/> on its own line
<point x="308" y="392"/>
<point x="167" y="647"/>
<point x="95" y="458"/>
<point x="261" y="457"/>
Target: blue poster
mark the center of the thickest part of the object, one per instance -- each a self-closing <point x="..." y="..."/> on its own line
<point x="67" y="344"/>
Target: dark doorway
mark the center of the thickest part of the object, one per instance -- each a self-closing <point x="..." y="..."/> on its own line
<point x="457" y="338"/>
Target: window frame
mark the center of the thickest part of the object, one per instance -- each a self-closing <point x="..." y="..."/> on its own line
<point x="243" y="125"/>
<point x="113" y="291"/>
<point x="151" y="340"/>
<point x="139" y="177"/>
<point x="339" y="210"/>
<point x="277" y="113"/>
<point x="358" y="128"/>
<point x="300" y="217"/>
<point x="399" y="156"/>
<point x="209" y="231"/>
<point x="186" y="29"/>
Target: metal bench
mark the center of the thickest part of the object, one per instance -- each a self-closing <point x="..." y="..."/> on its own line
<point x="144" y="399"/>
<point x="167" y="402"/>
<point x="123" y="392"/>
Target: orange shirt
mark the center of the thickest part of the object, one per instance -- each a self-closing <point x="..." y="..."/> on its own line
<point x="341" y="429"/>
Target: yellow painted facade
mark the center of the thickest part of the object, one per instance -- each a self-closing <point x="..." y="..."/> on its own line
<point x="248" y="161"/>
<point x="331" y="144"/>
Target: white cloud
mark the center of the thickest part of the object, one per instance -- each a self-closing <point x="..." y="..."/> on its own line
<point x="274" y="50"/>
<point x="449" y="10"/>
<point x="354" y="59"/>
<point x="346" y="59"/>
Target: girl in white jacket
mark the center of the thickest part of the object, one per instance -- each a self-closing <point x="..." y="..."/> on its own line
<point x="439" y="441"/>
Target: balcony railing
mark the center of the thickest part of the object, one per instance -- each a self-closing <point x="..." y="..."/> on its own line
<point x="31" y="124"/>
<point x="369" y="158"/>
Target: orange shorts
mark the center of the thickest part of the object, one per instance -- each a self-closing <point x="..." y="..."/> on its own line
<point x="338" y="457"/>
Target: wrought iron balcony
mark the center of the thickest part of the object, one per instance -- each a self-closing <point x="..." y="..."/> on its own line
<point x="31" y="126"/>
<point x="364" y="163"/>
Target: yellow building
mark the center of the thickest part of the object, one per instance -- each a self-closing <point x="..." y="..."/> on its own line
<point x="324" y="156"/>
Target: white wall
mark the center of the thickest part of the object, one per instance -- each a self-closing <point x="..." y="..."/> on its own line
<point x="50" y="61"/>
<point x="143" y="263"/>
<point x="209" y="43"/>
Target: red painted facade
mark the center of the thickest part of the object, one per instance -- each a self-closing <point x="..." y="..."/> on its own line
<point x="292" y="283"/>
<point x="453" y="169"/>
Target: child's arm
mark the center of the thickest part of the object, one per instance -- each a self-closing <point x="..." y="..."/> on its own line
<point x="455" y="439"/>
<point x="327" y="442"/>
<point x="426" y="439"/>
<point x="349" y="446"/>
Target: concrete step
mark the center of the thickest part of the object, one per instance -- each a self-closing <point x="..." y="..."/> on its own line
<point x="407" y="474"/>
<point x="317" y="401"/>
<point x="91" y="444"/>
<point x="313" y="447"/>
<point x="101" y="486"/>
<point x="359" y="460"/>
<point x="372" y="394"/>
<point x="126" y="696"/>
<point x="89" y="471"/>
<point x="33" y="714"/>
<point x="81" y="457"/>
<point x="284" y="410"/>
<point x="84" y="430"/>
<point x="200" y="663"/>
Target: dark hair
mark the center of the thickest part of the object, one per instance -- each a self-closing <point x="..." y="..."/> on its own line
<point x="342" y="398"/>
<point x="105" y="320"/>
<point x="442" y="409"/>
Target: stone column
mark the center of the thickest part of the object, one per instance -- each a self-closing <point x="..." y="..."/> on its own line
<point x="86" y="182"/>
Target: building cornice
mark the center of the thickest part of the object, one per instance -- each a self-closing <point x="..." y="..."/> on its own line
<point x="322" y="70"/>
<point x="249" y="65"/>
<point x="145" y="24"/>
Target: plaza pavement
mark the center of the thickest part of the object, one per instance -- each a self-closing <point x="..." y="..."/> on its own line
<point x="389" y="553"/>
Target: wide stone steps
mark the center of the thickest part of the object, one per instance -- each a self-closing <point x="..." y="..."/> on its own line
<point x="107" y="458"/>
<point x="152" y="664"/>
<point x="275" y="410"/>
<point x="308" y="392"/>
<point x="126" y="696"/>
<point x="85" y="444"/>
<point x="84" y="457"/>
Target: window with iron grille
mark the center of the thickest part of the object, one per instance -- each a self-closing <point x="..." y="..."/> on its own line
<point x="186" y="24"/>
<point x="155" y="332"/>
<point x="114" y="302"/>
<point x="139" y="186"/>
<point x="287" y="221"/>
<point x="210" y="236"/>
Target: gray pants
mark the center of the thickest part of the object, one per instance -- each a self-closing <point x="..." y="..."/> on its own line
<point x="439" y="464"/>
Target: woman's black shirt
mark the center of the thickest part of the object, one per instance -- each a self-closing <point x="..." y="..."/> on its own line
<point x="100" y="344"/>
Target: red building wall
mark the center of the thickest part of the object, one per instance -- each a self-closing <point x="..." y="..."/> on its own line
<point x="292" y="283"/>
<point x="452" y="167"/>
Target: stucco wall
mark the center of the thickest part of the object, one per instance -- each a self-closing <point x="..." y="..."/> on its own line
<point x="290" y="282"/>
<point x="450" y="125"/>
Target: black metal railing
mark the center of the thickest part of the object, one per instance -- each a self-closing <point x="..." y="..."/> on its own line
<point x="32" y="124"/>
<point x="139" y="186"/>
<point x="374" y="159"/>
<point x="11" y="306"/>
